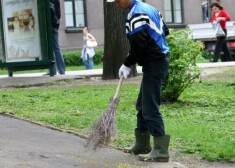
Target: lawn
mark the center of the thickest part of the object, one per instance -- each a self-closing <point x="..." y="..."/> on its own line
<point x="68" y="68"/>
<point x="201" y="122"/>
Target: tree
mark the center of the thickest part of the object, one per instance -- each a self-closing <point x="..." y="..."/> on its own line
<point x="116" y="46"/>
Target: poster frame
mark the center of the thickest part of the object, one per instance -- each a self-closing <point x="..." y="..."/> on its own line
<point x="45" y="31"/>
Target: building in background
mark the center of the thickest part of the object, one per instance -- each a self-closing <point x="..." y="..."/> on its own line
<point x="77" y="14"/>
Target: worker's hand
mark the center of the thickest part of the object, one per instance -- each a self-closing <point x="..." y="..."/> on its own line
<point x="124" y="70"/>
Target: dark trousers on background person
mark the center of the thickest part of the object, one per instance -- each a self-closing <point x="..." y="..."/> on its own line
<point x="205" y="14"/>
<point x="58" y="56"/>
<point x="148" y="101"/>
<point x="221" y="44"/>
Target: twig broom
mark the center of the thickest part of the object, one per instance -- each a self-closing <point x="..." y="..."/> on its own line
<point x="105" y="127"/>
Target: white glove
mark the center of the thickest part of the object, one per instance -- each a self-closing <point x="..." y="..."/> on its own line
<point x="124" y="70"/>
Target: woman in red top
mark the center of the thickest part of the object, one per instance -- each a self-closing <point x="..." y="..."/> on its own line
<point x="221" y="16"/>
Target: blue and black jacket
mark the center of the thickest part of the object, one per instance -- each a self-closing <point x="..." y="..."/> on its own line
<point x="145" y="32"/>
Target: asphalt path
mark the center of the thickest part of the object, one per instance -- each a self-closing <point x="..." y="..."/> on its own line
<point x="27" y="145"/>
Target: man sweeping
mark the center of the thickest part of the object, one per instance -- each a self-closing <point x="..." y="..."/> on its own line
<point x="148" y="48"/>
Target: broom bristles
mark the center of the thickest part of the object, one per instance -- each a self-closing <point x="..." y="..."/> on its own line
<point x="105" y="127"/>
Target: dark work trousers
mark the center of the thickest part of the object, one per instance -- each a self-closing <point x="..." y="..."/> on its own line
<point x="221" y="44"/>
<point x="149" y="117"/>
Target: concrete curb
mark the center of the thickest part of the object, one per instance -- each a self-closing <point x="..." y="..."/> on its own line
<point x="99" y="72"/>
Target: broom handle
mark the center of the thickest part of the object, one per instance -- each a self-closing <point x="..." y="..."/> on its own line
<point x="118" y="87"/>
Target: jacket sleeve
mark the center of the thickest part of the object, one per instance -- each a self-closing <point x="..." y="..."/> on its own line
<point x="226" y="16"/>
<point x="58" y="11"/>
<point x="213" y="18"/>
<point x="138" y="42"/>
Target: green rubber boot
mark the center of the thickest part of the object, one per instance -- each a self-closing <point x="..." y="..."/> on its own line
<point x="159" y="152"/>
<point x="142" y="144"/>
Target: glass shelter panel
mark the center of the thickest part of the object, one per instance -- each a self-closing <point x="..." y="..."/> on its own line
<point x="21" y="30"/>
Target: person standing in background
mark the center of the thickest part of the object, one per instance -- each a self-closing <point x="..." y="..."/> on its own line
<point x="205" y="17"/>
<point x="55" y="22"/>
<point x="221" y="16"/>
<point x="88" y="52"/>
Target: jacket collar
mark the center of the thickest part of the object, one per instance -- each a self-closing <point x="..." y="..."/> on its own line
<point x="134" y="2"/>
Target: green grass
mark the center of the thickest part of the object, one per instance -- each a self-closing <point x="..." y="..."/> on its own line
<point x="206" y="114"/>
<point x="201" y="122"/>
<point x="68" y="68"/>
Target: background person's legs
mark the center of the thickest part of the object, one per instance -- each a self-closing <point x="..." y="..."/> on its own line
<point x="90" y="63"/>
<point x="227" y="54"/>
<point x="59" y="60"/>
<point x="86" y="63"/>
<point x="218" y="46"/>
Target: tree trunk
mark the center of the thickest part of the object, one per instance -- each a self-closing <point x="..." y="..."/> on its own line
<point x="116" y="45"/>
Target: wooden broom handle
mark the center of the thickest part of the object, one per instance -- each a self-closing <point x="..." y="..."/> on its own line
<point x="118" y="87"/>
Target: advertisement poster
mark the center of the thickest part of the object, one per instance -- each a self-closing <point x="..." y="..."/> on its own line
<point x="21" y="30"/>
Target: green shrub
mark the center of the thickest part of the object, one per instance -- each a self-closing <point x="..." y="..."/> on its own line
<point x="183" y="71"/>
<point x="73" y="58"/>
<point x="98" y="58"/>
<point x="207" y="55"/>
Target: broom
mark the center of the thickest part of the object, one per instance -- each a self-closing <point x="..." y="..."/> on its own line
<point x="105" y="126"/>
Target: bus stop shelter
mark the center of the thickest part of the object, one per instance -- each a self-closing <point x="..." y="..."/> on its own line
<point x="26" y="42"/>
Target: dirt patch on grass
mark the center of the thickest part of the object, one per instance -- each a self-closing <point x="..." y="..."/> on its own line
<point x="220" y="73"/>
<point x="208" y="74"/>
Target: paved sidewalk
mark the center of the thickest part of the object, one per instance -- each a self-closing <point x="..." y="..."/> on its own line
<point x="38" y="78"/>
<point x="27" y="145"/>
